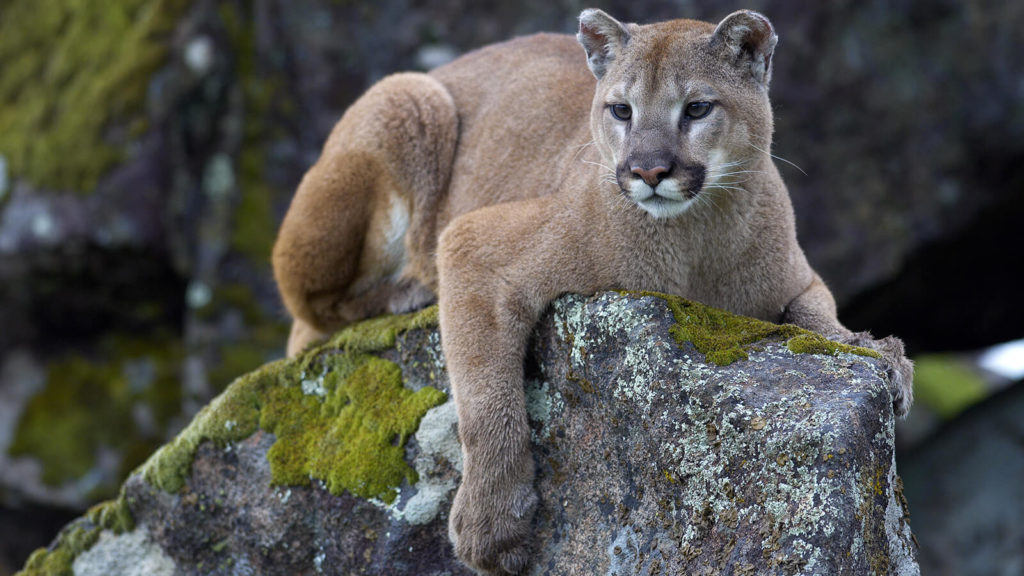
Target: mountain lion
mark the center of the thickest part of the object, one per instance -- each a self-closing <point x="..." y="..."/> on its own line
<point x="509" y="176"/>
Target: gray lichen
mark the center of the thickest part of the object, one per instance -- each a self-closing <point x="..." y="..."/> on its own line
<point x="130" y="554"/>
<point x="755" y="447"/>
<point x="438" y="450"/>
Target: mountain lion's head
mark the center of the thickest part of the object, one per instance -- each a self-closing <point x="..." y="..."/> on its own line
<point x="681" y="107"/>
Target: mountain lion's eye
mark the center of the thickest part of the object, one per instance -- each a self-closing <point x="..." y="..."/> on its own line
<point x="621" y="111"/>
<point x="697" y="110"/>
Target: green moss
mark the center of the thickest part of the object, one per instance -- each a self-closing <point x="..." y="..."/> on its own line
<point x="113" y="515"/>
<point x="74" y="83"/>
<point x="354" y="438"/>
<point x="57" y="425"/>
<point x="57" y="562"/>
<point x="89" y="403"/>
<point x="947" y="384"/>
<point x="811" y="343"/>
<point x="78" y="537"/>
<point x="724" y="338"/>
<point x="350" y="433"/>
<point x="380" y="333"/>
<point x="232" y="416"/>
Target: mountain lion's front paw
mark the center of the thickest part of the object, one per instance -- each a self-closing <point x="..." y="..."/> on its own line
<point x="489" y="525"/>
<point x="901" y="373"/>
<point x="898" y="368"/>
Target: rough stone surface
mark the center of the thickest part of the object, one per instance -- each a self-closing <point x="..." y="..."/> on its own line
<point x="129" y="554"/>
<point x="649" y="460"/>
<point x="779" y="464"/>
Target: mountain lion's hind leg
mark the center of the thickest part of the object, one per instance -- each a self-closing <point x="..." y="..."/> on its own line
<point x="815" y="310"/>
<point x="343" y="251"/>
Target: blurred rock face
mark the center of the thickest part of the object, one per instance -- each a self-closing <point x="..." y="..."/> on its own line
<point x="964" y="487"/>
<point x="141" y="184"/>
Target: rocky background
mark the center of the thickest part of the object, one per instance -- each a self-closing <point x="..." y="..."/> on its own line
<point x="148" y="149"/>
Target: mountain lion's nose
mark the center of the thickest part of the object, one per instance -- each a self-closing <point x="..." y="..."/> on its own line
<point x="651" y="175"/>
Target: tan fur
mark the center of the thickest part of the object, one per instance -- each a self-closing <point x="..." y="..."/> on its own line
<point x="501" y="180"/>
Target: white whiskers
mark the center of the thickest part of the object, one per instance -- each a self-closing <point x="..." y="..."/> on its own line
<point x="725" y="177"/>
<point x="605" y="167"/>
<point x="779" y="158"/>
<point x="608" y="176"/>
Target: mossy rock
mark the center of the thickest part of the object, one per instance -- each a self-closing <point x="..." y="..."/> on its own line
<point x="790" y="453"/>
<point x="78" y="537"/>
<point x="70" y="70"/>
<point x="94" y="403"/>
<point x="340" y="414"/>
<point x="724" y="338"/>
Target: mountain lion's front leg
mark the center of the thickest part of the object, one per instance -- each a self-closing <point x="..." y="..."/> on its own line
<point x="495" y="278"/>
<point x="815" y="310"/>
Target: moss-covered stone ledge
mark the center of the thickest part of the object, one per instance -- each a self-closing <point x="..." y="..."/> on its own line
<point x="341" y="415"/>
<point x="669" y="438"/>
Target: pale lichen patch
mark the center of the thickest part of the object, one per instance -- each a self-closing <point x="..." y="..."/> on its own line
<point x="543" y="406"/>
<point x="314" y="386"/>
<point x="133" y="552"/>
<point x="438" y="448"/>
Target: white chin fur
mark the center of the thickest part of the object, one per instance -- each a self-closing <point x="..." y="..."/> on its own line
<point x="662" y="208"/>
<point x="666" y="203"/>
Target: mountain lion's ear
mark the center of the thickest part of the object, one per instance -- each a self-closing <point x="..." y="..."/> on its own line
<point x="602" y="37"/>
<point x="751" y="40"/>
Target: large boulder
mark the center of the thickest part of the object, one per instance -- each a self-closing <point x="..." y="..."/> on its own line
<point x="669" y="438"/>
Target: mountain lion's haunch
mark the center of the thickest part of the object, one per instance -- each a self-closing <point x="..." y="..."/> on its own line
<point x="509" y="176"/>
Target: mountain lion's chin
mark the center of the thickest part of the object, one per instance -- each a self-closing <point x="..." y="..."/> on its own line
<point x="662" y="208"/>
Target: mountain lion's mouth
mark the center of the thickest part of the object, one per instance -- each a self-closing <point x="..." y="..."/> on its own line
<point x="661" y="206"/>
<point x="664" y="201"/>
